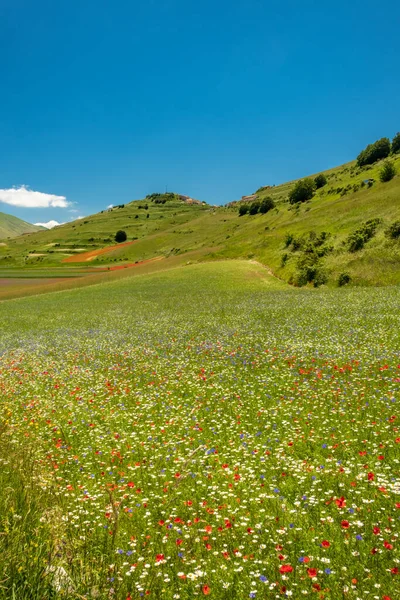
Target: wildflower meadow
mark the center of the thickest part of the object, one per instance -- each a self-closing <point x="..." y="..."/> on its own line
<point x="206" y="431"/>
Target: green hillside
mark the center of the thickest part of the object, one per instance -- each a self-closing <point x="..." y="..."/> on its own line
<point x="339" y="235"/>
<point x="11" y="226"/>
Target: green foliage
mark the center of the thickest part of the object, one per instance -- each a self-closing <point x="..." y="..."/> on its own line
<point x="158" y="198"/>
<point x="120" y="236"/>
<point x="393" y="231"/>
<point x="361" y="236"/>
<point x="320" y="181"/>
<point x="302" y="191"/>
<point x="266" y="205"/>
<point x="396" y="143"/>
<point x="373" y="152"/>
<point x="387" y="172"/>
<point x="254" y="208"/>
<point x="288" y="239"/>
<point x="344" y="279"/>
<point x="243" y="209"/>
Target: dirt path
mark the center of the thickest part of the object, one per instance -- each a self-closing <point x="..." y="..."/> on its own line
<point x="92" y="254"/>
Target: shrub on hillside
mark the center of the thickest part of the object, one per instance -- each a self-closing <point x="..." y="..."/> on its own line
<point x="120" y="236"/>
<point x="393" y="231"/>
<point x="320" y="181"/>
<point x="254" y="208"/>
<point x="358" y="238"/>
<point x="344" y="279"/>
<point x="387" y="172"/>
<point x="396" y="143"/>
<point x="302" y="191"/>
<point x="288" y="239"/>
<point x="243" y="209"/>
<point x="266" y="205"/>
<point x="373" y="152"/>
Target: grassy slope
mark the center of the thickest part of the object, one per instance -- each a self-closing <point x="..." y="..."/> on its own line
<point x="11" y="226"/>
<point x="203" y="233"/>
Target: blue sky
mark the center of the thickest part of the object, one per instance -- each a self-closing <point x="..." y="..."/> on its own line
<point x="103" y="102"/>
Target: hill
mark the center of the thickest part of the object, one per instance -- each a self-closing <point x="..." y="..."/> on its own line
<point x="11" y="226"/>
<point x="339" y="236"/>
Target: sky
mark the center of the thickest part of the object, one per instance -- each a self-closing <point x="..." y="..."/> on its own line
<point x="104" y="102"/>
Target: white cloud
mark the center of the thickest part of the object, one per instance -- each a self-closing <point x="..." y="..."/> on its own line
<point x="49" y="224"/>
<point x="26" y="198"/>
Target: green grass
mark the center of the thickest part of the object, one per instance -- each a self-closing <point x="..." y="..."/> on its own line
<point x="189" y="432"/>
<point x="203" y="233"/>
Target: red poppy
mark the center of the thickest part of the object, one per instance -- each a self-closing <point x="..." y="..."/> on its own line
<point x="386" y="598"/>
<point x="371" y="476"/>
<point x="345" y="524"/>
<point x="376" y="531"/>
<point x="312" y="572"/>
<point x="325" y="544"/>
<point x="206" y="590"/>
<point x="340" y="502"/>
<point x="387" y="545"/>
<point x="394" y="571"/>
<point x="381" y="457"/>
<point x="159" y="557"/>
<point x="285" y="569"/>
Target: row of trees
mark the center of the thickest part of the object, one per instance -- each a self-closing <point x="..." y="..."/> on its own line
<point x="378" y="150"/>
<point x="258" y="206"/>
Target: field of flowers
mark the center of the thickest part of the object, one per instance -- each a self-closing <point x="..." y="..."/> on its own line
<point x="201" y="432"/>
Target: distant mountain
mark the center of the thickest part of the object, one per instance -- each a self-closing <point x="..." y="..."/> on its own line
<point x="49" y="224"/>
<point x="11" y="226"/>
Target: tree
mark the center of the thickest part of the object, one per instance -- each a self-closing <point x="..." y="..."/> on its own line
<point x="266" y="205"/>
<point x="373" y="152"/>
<point x="396" y="143"/>
<point x="120" y="236"/>
<point x="254" y="208"/>
<point x="243" y="209"/>
<point x="387" y="172"/>
<point x="302" y="191"/>
<point x="320" y="181"/>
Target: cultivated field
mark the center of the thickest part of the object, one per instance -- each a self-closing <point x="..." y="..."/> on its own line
<point x="204" y="431"/>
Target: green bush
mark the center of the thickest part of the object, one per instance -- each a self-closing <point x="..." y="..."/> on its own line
<point x="266" y="205"/>
<point x="288" y="239"/>
<point x="344" y="279"/>
<point x="387" y="172"/>
<point x="396" y="143"/>
<point x="393" y="231"/>
<point x="373" y="152"/>
<point x="358" y="238"/>
<point x="320" y="181"/>
<point x="254" y="208"/>
<point x="302" y="191"/>
<point x="120" y="236"/>
<point x="243" y="209"/>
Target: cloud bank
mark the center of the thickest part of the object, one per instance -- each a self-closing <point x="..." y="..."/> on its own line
<point x="49" y="224"/>
<point x="27" y="198"/>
